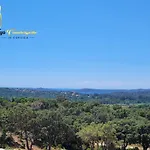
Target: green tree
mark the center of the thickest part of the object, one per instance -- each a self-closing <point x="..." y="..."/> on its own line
<point x="91" y="134"/>
<point x="125" y="132"/>
<point x="144" y="135"/>
<point x="108" y="136"/>
<point x="22" y="122"/>
<point x="53" y="131"/>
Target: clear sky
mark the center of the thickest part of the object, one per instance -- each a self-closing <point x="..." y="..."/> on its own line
<point x="80" y="44"/>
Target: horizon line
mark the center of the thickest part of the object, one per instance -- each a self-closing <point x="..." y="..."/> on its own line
<point x="87" y="88"/>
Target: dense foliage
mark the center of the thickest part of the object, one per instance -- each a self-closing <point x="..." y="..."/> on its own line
<point x="73" y="125"/>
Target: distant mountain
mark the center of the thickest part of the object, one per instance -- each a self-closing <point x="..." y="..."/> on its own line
<point x="98" y="91"/>
<point x="81" y="91"/>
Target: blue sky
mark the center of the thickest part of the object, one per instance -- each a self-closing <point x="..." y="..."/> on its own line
<point x="79" y="44"/>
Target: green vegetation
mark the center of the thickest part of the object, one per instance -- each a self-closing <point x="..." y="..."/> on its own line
<point x="73" y="125"/>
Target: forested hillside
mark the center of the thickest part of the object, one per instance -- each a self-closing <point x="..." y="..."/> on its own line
<point x="110" y="96"/>
<point x="73" y="125"/>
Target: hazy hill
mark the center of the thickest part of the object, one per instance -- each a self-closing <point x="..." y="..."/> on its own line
<point x="102" y="95"/>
